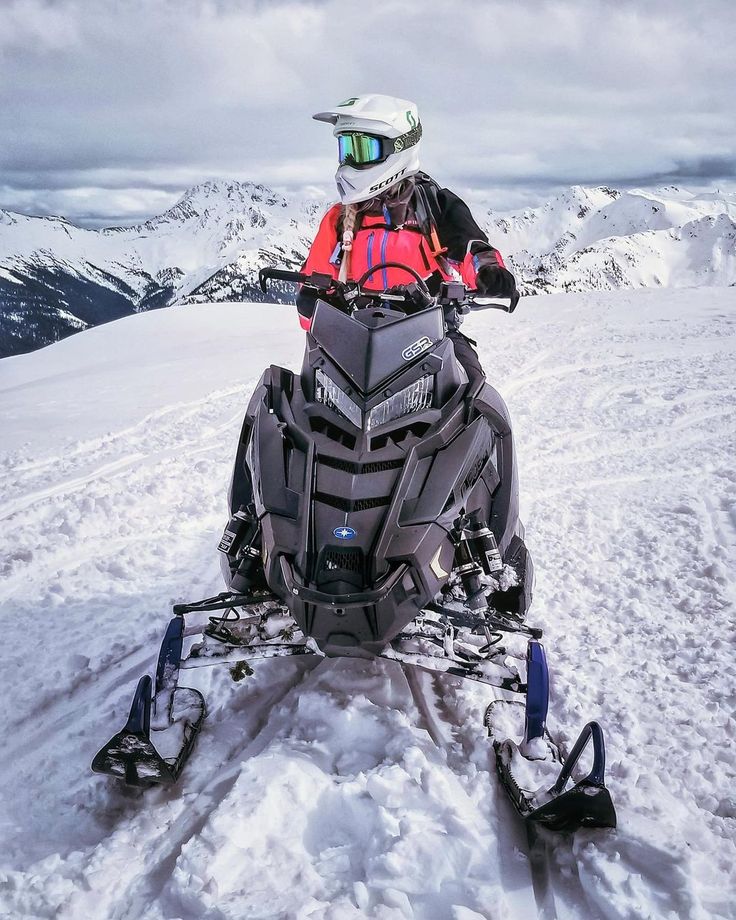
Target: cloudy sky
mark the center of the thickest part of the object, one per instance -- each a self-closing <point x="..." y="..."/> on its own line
<point x="110" y="108"/>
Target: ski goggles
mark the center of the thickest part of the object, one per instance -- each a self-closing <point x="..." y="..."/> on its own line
<point x="358" y="149"/>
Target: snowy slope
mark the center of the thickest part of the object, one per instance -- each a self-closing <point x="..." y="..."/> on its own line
<point x="346" y="790"/>
<point x="207" y="228"/>
<point x="56" y="278"/>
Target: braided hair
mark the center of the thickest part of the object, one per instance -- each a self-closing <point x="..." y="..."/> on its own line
<point x="349" y="219"/>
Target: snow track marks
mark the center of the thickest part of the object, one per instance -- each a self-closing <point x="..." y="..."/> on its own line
<point x="349" y="790"/>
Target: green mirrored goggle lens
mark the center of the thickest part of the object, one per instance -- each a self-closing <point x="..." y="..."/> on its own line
<point x="358" y="149"/>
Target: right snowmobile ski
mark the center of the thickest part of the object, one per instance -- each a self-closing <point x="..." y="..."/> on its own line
<point x="534" y="772"/>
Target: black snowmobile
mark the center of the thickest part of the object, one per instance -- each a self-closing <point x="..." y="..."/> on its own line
<point x="374" y="513"/>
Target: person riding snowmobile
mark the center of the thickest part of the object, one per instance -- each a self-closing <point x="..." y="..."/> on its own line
<point x="390" y="211"/>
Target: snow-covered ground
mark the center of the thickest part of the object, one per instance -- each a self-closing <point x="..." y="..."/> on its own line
<point x="346" y="790"/>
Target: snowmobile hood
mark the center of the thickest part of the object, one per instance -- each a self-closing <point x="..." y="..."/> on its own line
<point x="386" y="341"/>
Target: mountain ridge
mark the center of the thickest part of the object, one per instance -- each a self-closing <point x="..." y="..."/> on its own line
<point x="57" y="278"/>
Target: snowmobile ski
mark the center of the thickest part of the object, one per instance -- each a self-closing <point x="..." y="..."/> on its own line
<point x="525" y="768"/>
<point x="131" y="754"/>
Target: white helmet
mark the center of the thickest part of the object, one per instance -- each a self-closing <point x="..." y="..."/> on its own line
<point x="378" y="143"/>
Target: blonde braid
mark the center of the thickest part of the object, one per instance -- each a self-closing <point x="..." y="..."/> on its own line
<point x="349" y="219"/>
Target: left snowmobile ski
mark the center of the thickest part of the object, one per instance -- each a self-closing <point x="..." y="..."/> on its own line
<point x="374" y="513"/>
<point x="177" y="711"/>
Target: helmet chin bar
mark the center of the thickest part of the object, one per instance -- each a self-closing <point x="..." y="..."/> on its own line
<point x="356" y="185"/>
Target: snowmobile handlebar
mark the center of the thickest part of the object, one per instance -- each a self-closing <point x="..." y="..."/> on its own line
<point x="322" y="283"/>
<point x="381" y="265"/>
<point x="416" y="294"/>
<point x="490" y="303"/>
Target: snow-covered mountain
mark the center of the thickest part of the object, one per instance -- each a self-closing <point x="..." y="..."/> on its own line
<point x="56" y="278"/>
<point x="601" y="239"/>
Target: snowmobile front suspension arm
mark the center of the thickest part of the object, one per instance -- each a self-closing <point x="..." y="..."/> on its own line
<point x="440" y="664"/>
<point x="260" y="651"/>
<point x="225" y="601"/>
<point x="491" y="619"/>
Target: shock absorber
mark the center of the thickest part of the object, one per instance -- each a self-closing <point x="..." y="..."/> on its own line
<point x="241" y="542"/>
<point x="476" y="554"/>
<point x="483" y="543"/>
<point x="468" y="567"/>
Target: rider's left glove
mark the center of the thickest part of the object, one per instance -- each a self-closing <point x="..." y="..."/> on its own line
<point x="494" y="281"/>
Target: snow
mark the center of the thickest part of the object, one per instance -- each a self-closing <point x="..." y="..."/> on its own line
<point x="8" y="277"/>
<point x="349" y="789"/>
<point x="602" y="239"/>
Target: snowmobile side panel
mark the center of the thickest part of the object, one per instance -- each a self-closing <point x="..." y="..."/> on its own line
<point x="455" y="469"/>
<point x="505" y="511"/>
<point x="268" y="444"/>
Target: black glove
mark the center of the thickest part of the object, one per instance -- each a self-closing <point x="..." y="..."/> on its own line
<point x="494" y="281"/>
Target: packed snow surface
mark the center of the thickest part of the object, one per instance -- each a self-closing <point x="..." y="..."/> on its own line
<point x="348" y="789"/>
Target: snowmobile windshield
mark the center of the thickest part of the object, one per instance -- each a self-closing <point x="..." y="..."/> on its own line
<point x="357" y="149"/>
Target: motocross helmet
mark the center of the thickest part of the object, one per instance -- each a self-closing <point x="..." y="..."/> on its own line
<point x="378" y="144"/>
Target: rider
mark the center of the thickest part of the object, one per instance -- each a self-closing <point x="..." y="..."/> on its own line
<point x="392" y="212"/>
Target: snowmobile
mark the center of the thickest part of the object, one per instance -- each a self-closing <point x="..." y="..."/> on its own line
<point x="374" y="513"/>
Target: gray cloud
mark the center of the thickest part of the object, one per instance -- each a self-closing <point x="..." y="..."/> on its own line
<point x="109" y="108"/>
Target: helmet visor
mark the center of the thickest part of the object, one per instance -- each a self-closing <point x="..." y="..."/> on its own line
<point x="357" y="149"/>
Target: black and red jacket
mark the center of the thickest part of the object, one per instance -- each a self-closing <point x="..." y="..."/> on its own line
<point x="438" y="238"/>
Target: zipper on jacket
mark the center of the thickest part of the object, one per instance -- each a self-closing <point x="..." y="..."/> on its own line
<point x="384" y="271"/>
<point x="370" y="249"/>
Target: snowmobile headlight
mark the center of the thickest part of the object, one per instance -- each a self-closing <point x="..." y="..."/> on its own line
<point x="329" y="394"/>
<point x="414" y="398"/>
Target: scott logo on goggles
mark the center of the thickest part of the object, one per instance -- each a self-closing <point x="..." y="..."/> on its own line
<point x="380" y="185"/>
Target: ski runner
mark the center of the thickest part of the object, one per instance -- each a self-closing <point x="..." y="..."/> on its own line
<point x="392" y="212"/>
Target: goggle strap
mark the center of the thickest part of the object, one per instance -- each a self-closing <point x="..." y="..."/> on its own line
<point x="408" y="139"/>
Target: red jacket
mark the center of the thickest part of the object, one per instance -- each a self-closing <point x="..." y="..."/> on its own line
<point x="455" y="249"/>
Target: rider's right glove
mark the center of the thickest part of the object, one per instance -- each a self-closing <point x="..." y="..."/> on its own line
<point x="494" y="281"/>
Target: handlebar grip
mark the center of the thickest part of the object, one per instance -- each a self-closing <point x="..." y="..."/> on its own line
<point x="279" y="274"/>
<point x="476" y="303"/>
